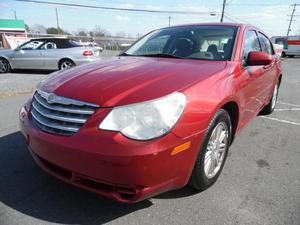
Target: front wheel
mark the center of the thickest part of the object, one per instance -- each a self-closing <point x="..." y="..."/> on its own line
<point x="4" y="66"/>
<point x="213" y="152"/>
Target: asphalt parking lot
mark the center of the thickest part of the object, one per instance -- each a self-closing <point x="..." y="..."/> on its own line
<point x="260" y="183"/>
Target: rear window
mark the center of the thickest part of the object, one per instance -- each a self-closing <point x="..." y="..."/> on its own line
<point x="74" y="43"/>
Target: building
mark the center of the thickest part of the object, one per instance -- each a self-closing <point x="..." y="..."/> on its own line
<point x="12" y="33"/>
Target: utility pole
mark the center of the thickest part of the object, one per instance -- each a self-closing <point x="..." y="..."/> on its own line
<point x="57" y="25"/>
<point x="223" y="11"/>
<point x="15" y="14"/>
<point x="169" y="20"/>
<point x="291" y="19"/>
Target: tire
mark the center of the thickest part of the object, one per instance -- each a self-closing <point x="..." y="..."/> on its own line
<point x="4" y="66"/>
<point x="66" y="64"/>
<point x="268" y="109"/>
<point x="283" y="55"/>
<point x="201" y="177"/>
<point x="291" y="56"/>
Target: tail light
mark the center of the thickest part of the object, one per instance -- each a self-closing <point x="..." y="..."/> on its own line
<point x="88" y="53"/>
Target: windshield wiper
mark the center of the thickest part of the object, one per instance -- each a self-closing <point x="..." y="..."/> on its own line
<point x="162" y="55"/>
<point x="125" y="54"/>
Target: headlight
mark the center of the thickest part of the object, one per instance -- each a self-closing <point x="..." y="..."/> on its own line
<point x="146" y="120"/>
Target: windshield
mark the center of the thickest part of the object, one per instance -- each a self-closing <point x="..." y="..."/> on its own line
<point x="190" y="42"/>
<point x="31" y="45"/>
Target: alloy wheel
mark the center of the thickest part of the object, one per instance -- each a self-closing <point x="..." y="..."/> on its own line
<point x="3" y="66"/>
<point x="275" y="94"/>
<point x="66" y="65"/>
<point x="216" y="150"/>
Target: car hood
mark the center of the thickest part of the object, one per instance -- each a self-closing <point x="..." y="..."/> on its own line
<point x="6" y="51"/>
<point x="126" y="80"/>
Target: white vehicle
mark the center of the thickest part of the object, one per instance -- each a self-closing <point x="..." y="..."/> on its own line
<point x="92" y="44"/>
<point x="278" y="49"/>
<point x="291" y="45"/>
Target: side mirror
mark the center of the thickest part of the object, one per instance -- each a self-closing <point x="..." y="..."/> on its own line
<point x="259" y="58"/>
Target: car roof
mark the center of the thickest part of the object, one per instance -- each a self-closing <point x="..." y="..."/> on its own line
<point x="50" y="38"/>
<point x="211" y="24"/>
<point x="240" y="25"/>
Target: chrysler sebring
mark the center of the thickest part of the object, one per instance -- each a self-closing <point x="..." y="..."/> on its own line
<point x="159" y="116"/>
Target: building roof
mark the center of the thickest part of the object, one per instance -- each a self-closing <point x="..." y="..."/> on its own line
<point x="12" y="25"/>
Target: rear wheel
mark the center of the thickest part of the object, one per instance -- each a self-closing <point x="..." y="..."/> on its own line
<point x="4" y="66"/>
<point x="66" y="64"/>
<point x="213" y="152"/>
<point x="283" y="55"/>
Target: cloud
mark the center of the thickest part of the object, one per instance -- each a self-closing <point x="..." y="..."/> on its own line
<point x="272" y="19"/>
<point x="193" y="8"/>
<point x="153" y="7"/>
<point x="122" y="18"/>
<point x="3" y="5"/>
<point x="126" y="6"/>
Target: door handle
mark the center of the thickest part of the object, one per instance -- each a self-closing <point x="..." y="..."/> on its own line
<point x="268" y="66"/>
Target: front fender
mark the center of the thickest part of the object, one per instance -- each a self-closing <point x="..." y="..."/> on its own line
<point x="204" y="100"/>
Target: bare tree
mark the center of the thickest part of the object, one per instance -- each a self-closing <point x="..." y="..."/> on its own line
<point x="121" y="34"/>
<point x="100" y="32"/>
<point x="27" y="28"/>
<point x="38" y="28"/>
<point x="82" y="32"/>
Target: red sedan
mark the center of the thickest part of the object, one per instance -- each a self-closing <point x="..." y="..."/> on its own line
<point x="159" y="116"/>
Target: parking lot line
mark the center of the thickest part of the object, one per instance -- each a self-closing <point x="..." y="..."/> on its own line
<point x="280" y="120"/>
<point x="289" y="109"/>
<point x="290" y="104"/>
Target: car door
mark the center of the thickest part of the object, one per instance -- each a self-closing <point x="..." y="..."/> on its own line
<point x="50" y="54"/>
<point x="250" y="79"/>
<point x="28" y="56"/>
<point x="269" y="74"/>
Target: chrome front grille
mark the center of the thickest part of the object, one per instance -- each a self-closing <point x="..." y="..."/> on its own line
<point x="60" y="115"/>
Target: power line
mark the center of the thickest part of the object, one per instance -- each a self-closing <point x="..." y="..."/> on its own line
<point x="212" y="13"/>
<point x="236" y="19"/>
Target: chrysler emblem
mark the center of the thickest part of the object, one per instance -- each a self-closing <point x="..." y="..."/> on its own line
<point x="51" y="98"/>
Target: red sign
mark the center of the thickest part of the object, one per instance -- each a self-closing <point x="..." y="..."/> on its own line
<point x="293" y="42"/>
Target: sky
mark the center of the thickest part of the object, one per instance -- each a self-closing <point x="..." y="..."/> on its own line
<point x="269" y="15"/>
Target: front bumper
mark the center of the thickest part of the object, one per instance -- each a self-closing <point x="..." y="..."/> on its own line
<point x="110" y="164"/>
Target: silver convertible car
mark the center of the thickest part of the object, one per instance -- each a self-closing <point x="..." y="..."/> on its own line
<point x="47" y="54"/>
